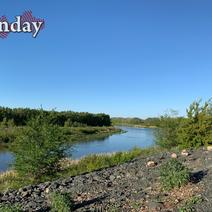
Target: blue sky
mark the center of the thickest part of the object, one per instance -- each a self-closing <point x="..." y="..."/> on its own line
<point x="124" y="58"/>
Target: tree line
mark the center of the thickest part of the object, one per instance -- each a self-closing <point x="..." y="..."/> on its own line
<point x="137" y="121"/>
<point x="21" y="116"/>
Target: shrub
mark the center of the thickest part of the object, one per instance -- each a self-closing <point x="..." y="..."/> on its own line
<point x="38" y="149"/>
<point x="8" y="134"/>
<point x="166" y="134"/>
<point x="10" y="208"/>
<point x="196" y="129"/>
<point x="60" y="202"/>
<point x="193" y="131"/>
<point x="174" y="174"/>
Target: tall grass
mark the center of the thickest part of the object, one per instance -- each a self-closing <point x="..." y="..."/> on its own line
<point x="60" y="202"/>
<point x="96" y="162"/>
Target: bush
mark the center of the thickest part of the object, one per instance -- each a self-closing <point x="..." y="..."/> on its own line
<point x="10" y="208"/>
<point x="196" y="129"/>
<point x="193" y="131"/>
<point x="166" y="134"/>
<point x="174" y="174"/>
<point x="60" y="202"/>
<point x="8" y="134"/>
<point x="38" y="149"/>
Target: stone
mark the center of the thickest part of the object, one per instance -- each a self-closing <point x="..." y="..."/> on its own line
<point x="173" y="155"/>
<point x="47" y="190"/>
<point x="184" y="153"/>
<point x="151" y="163"/>
<point x="24" y="194"/>
<point x="109" y="184"/>
<point x="112" y="178"/>
<point x="209" y="148"/>
<point x="103" y="188"/>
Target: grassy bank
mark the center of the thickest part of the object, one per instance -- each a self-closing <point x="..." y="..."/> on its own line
<point x="136" y="122"/>
<point x="10" y="179"/>
<point x="80" y="134"/>
<point x="73" y="134"/>
<point x="96" y="162"/>
<point x="136" y="125"/>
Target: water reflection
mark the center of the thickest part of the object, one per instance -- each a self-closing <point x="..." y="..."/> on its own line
<point x="134" y="137"/>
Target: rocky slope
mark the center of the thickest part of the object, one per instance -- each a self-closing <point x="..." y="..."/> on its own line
<point x="132" y="186"/>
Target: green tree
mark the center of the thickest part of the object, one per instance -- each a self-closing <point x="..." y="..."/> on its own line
<point x="196" y="129"/>
<point x="166" y="134"/>
<point x="39" y="148"/>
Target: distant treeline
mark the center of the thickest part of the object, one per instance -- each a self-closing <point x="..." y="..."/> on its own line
<point x="20" y="117"/>
<point x="136" y="121"/>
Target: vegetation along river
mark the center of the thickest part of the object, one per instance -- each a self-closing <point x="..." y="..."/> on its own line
<point x="134" y="137"/>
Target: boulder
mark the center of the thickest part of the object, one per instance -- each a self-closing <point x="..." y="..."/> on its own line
<point x="173" y="155"/>
<point x="209" y="148"/>
<point x="184" y="153"/>
<point x="151" y="163"/>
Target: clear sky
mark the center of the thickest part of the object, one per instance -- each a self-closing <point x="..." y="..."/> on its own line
<point x="121" y="57"/>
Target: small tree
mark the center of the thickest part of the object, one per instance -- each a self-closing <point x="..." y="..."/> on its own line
<point x="196" y="129"/>
<point x="166" y="134"/>
<point x="39" y="148"/>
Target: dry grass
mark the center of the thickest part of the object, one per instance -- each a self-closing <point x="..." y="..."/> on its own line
<point x="6" y="179"/>
<point x="7" y="175"/>
<point x="67" y="162"/>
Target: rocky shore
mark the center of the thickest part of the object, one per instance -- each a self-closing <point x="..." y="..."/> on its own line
<point x="132" y="186"/>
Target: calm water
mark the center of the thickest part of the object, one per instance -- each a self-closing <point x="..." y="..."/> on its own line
<point x="134" y="137"/>
<point x="5" y="160"/>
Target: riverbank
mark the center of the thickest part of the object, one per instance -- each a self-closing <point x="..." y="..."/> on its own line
<point x="73" y="134"/>
<point x="69" y="167"/>
<point x="97" y="142"/>
<point x="132" y="186"/>
<point x="137" y="126"/>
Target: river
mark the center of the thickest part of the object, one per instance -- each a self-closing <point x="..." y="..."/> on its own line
<point x="134" y="137"/>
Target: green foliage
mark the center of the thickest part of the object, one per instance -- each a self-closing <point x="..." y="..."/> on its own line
<point x="38" y="149"/>
<point x="21" y="116"/>
<point x="86" y="164"/>
<point x="10" y="208"/>
<point x="73" y="134"/>
<point x="193" y="131"/>
<point x="149" y="122"/>
<point x="8" y="134"/>
<point x="174" y="174"/>
<point x="196" y="129"/>
<point x="189" y="205"/>
<point x="82" y="134"/>
<point x="70" y="123"/>
<point x="96" y="162"/>
<point x="7" y="123"/>
<point x="166" y="135"/>
<point x="60" y="202"/>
